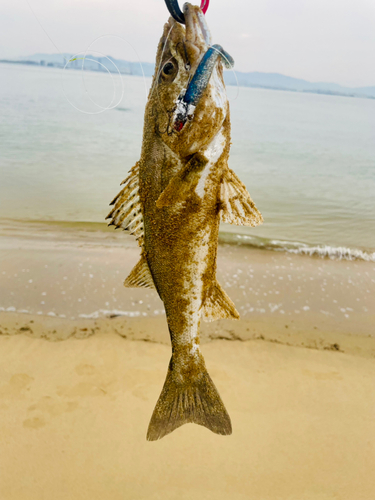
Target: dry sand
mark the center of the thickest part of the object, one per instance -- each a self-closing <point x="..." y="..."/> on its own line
<point x="74" y="416"/>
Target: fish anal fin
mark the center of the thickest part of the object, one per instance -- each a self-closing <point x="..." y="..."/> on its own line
<point x="218" y="305"/>
<point x="236" y="205"/>
<point x="185" y="399"/>
<point x="183" y="183"/>
<point x="140" y="276"/>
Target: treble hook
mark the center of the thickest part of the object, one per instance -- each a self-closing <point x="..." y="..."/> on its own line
<point x="176" y="13"/>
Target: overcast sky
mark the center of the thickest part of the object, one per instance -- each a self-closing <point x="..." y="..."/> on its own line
<point x="318" y="40"/>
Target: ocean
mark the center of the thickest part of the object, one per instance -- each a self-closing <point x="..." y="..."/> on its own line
<point x="307" y="160"/>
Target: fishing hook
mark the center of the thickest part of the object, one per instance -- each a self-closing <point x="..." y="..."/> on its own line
<point x="169" y="128"/>
<point x="175" y="11"/>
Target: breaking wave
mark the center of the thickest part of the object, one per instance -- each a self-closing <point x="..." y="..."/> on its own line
<point x="295" y="247"/>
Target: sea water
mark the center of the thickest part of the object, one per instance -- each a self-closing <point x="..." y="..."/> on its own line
<point x="307" y="160"/>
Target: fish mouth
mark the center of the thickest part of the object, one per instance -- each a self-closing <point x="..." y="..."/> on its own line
<point x="197" y="30"/>
<point x="202" y="58"/>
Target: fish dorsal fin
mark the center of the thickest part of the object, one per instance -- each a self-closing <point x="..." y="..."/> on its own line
<point x="236" y="205"/>
<point x="218" y="305"/>
<point x="140" y="276"/>
<point x="127" y="210"/>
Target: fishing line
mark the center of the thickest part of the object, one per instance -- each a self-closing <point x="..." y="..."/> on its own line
<point x="232" y="69"/>
<point x="109" y="72"/>
<point x="98" y="62"/>
<point x="84" y="83"/>
<point x="159" y="68"/>
<point x="103" y="108"/>
<point x="74" y="58"/>
<point x="157" y="90"/>
<point x="47" y="35"/>
<point x="135" y="52"/>
<point x="71" y="60"/>
<point x="110" y="106"/>
<point x="168" y="113"/>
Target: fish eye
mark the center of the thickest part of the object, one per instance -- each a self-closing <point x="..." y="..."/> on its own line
<point x="168" y="68"/>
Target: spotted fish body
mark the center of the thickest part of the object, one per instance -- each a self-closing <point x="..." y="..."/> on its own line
<point x="173" y="201"/>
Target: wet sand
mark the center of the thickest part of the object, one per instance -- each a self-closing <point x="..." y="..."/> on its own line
<point x="79" y="378"/>
<point x="77" y="271"/>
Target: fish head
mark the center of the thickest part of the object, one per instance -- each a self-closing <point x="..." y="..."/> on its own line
<point x="188" y="97"/>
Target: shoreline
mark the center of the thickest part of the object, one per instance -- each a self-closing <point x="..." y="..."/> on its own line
<point x="228" y="235"/>
<point x="77" y="273"/>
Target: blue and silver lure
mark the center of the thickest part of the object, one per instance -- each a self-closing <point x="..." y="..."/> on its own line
<point x="187" y="102"/>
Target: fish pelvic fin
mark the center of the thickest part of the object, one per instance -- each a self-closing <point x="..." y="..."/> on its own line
<point x="218" y="305"/>
<point x="140" y="276"/>
<point x="236" y="205"/>
<point x="187" y="398"/>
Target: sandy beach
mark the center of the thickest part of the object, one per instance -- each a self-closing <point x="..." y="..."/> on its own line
<point x="79" y="378"/>
<point x="74" y="417"/>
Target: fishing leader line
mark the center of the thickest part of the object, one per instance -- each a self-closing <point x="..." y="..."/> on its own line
<point x="75" y="57"/>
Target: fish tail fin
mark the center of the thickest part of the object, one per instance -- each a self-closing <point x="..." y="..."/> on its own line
<point x="190" y="398"/>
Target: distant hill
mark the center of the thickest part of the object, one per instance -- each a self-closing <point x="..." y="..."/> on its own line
<point x="253" y="79"/>
<point x="91" y="63"/>
<point x="282" y="82"/>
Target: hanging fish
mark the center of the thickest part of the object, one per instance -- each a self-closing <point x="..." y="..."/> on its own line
<point x="173" y="201"/>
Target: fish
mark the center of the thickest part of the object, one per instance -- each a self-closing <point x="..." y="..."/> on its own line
<point x="173" y="201"/>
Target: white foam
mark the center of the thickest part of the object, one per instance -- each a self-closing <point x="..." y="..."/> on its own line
<point x="94" y="315"/>
<point x="338" y="253"/>
<point x="296" y="247"/>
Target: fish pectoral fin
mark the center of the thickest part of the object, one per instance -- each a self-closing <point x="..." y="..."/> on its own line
<point x="127" y="210"/>
<point x="236" y="205"/>
<point x="140" y="276"/>
<point x="183" y="183"/>
<point x="218" y="305"/>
